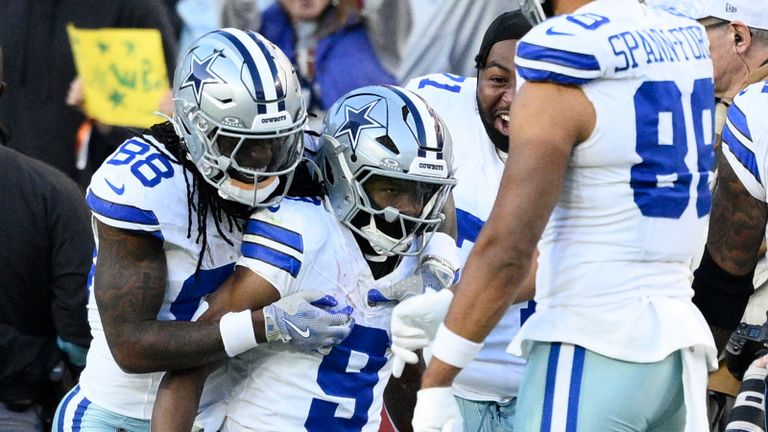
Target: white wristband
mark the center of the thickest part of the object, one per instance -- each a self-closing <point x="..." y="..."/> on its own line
<point x="454" y="349"/>
<point x="443" y="246"/>
<point x="237" y="332"/>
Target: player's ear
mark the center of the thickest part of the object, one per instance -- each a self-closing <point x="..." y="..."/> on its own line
<point x="742" y="37"/>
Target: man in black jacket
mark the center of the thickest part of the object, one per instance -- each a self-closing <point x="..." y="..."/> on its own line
<point x="45" y="259"/>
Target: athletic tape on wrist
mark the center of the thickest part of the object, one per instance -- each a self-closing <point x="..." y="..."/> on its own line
<point x="237" y="332"/>
<point x="454" y="349"/>
<point x="442" y="247"/>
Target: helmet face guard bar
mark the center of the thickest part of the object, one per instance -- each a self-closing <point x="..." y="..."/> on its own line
<point x="387" y="163"/>
<point x="533" y="11"/>
<point x="241" y="115"/>
<point x="389" y="230"/>
<point x="247" y="157"/>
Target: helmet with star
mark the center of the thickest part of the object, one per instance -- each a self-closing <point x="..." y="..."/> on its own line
<point x="239" y="111"/>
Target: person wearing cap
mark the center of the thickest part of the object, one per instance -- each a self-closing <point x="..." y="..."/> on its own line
<point x="738" y="41"/>
<point x="734" y="261"/>
<point x="476" y="110"/>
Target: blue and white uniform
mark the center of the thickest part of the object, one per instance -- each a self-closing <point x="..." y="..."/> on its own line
<point x="140" y="188"/>
<point x="301" y="246"/>
<point x="745" y="139"/>
<point x="494" y="375"/>
<point x="613" y="274"/>
<point x="745" y="146"/>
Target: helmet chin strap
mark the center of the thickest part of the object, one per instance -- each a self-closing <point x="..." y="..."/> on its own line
<point x="371" y="230"/>
<point x="247" y="191"/>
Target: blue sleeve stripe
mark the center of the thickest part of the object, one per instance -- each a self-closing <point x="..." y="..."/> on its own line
<point x="272" y="257"/>
<point x="538" y="75"/>
<point x="569" y="59"/>
<point x="743" y="154"/>
<point x="120" y="212"/>
<point x="739" y="120"/>
<point x="275" y="233"/>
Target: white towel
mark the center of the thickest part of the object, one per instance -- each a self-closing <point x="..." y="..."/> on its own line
<point x="697" y="362"/>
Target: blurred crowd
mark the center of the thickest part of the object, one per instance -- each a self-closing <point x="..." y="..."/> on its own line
<point x="50" y="149"/>
<point x="334" y="45"/>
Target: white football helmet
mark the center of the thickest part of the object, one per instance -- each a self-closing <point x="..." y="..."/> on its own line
<point x="239" y="110"/>
<point x="389" y="132"/>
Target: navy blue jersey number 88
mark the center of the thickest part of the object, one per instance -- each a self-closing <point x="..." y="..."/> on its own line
<point x="661" y="182"/>
<point x="149" y="170"/>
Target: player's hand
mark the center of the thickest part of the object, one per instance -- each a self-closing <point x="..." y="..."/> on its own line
<point x="434" y="273"/>
<point x="414" y="324"/>
<point x="435" y="411"/>
<point x="308" y="320"/>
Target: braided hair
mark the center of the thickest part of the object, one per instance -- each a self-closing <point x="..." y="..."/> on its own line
<point x="202" y="197"/>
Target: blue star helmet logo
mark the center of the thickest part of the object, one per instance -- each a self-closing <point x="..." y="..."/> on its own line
<point x="200" y="74"/>
<point x="355" y="120"/>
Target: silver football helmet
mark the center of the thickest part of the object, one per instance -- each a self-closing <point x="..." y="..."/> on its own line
<point x="386" y="133"/>
<point x="533" y="10"/>
<point x="239" y="110"/>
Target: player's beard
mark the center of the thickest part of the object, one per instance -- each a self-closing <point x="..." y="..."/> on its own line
<point x="499" y="140"/>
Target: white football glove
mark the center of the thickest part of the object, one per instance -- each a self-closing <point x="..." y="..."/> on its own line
<point x="435" y="411"/>
<point x="308" y="320"/>
<point x="414" y="324"/>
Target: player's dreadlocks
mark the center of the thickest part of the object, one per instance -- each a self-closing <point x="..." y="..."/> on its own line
<point x="201" y="196"/>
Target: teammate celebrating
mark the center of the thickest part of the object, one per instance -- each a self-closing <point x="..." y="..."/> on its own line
<point x="611" y="152"/>
<point x="476" y="111"/>
<point x="168" y="207"/>
<point x="386" y="161"/>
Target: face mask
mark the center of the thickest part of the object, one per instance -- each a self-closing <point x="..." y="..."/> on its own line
<point x="255" y="196"/>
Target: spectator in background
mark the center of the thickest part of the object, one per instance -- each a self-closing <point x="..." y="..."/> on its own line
<point x="329" y="46"/>
<point x="41" y="69"/>
<point x="45" y="258"/>
<point x="738" y="37"/>
<point x="444" y="35"/>
<point x="198" y="17"/>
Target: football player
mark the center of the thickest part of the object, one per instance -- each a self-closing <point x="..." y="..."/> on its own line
<point x="476" y="111"/>
<point x="611" y="152"/>
<point x="386" y="161"/>
<point x="168" y="210"/>
<point x="739" y="215"/>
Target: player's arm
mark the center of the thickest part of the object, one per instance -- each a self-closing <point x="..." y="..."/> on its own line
<point x="723" y="281"/>
<point x="178" y="395"/>
<point x="276" y="320"/>
<point x="129" y="287"/>
<point x="549" y="121"/>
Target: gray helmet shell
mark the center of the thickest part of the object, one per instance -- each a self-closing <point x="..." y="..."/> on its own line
<point x="391" y="132"/>
<point x="235" y="86"/>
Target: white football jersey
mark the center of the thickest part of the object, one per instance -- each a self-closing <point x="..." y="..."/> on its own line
<point x="478" y="174"/>
<point x="745" y="138"/>
<point x="613" y="271"/>
<point x="300" y="246"/>
<point x="140" y="187"/>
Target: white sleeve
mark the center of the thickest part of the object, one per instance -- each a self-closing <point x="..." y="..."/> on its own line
<point x="127" y="193"/>
<point x="745" y="143"/>
<point x="272" y="250"/>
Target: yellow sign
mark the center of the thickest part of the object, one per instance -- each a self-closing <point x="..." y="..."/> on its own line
<point x="123" y="73"/>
